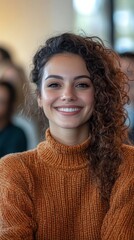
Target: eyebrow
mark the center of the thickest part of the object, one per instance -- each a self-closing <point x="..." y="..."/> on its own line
<point x="60" y="77"/>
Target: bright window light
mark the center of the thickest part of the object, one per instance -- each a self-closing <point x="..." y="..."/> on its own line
<point x="124" y="44"/>
<point x="85" y="7"/>
<point x="122" y="18"/>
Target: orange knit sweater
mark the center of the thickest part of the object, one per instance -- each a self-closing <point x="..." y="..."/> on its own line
<point x="48" y="194"/>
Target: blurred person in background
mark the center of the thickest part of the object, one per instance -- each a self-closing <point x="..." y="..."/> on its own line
<point x="24" y="114"/>
<point x="4" y="55"/>
<point x="12" y="138"/>
<point x="127" y="65"/>
<point x="14" y="74"/>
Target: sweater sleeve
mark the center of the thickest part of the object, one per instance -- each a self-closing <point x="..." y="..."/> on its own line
<point x="16" y="206"/>
<point x="118" y="223"/>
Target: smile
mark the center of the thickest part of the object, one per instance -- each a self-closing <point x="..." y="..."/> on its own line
<point x="68" y="109"/>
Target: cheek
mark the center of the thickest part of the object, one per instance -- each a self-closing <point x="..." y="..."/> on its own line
<point x="47" y="98"/>
<point x="89" y="98"/>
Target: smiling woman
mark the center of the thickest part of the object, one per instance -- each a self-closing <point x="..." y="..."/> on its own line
<point x="70" y="186"/>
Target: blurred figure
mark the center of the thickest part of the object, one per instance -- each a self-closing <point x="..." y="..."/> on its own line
<point x="16" y="76"/>
<point x="127" y="65"/>
<point x="24" y="115"/>
<point x="12" y="138"/>
<point x="4" y="55"/>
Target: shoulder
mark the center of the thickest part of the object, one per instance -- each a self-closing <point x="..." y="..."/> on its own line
<point x="128" y="149"/>
<point x="18" y="167"/>
<point x="123" y="189"/>
<point x="16" y="133"/>
<point x="15" y="160"/>
<point x="126" y="169"/>
<point x="27" y="164"/>
<point x="17" y="129"/>
<point x="128" y="157"/>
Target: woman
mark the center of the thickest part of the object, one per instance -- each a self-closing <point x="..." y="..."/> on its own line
<point x="24" y="116"/>
<point x="12" y="137"/>
<point x="78" y="183"/>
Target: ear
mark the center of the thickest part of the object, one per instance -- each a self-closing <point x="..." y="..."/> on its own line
<point x="39" y="100"/>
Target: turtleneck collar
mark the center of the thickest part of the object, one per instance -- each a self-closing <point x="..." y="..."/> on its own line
<point x="62" y="156"/>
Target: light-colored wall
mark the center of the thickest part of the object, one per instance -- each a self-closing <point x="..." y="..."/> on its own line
<point x="25" y="24"/>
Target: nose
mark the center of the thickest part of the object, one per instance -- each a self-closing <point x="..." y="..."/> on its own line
<point x="68" y="94"/>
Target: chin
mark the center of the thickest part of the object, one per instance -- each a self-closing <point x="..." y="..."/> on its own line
<point x="70" y="126"/>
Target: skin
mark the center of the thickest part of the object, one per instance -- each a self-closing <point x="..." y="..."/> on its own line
<point x="67" y="98"/>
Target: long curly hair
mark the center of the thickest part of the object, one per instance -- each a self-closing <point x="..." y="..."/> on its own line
<point x="107" y="123"/>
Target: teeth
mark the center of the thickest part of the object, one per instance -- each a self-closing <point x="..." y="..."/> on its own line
<point x="68" y="109"/>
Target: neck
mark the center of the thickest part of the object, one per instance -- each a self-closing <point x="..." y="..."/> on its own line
<point x="70" y="137"/>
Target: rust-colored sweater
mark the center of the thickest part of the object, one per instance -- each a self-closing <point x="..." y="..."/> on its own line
<point x="48" y="194"/>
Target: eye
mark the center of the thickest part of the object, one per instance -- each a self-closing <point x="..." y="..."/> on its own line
<point x="54" y="85"/>
<point x="82" y="85"/>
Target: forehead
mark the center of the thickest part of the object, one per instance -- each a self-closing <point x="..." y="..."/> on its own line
<point x="65" y="62"/>
<point x="59" y="57"/>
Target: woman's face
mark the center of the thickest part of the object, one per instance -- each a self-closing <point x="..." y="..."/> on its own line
<point x="67" y="93"/>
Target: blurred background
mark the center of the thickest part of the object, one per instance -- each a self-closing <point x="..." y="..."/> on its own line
<point x="25" y="25"/>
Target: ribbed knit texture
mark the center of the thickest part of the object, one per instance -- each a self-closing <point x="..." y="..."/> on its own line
<point x="48" y="194"/>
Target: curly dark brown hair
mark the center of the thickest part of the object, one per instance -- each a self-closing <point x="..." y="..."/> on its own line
<point x="107" y="123"/>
